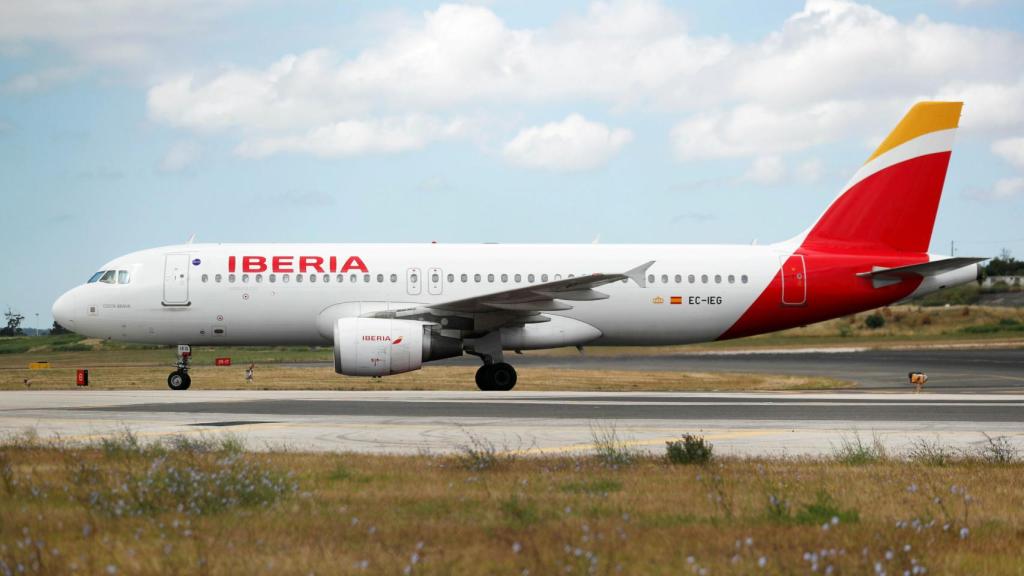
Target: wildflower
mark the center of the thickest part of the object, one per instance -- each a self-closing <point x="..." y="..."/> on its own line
<point x="761" y="562"/>
<point x="111" y="569"/>
<point x="516" y="547"/>
<point x="964" y="532"/>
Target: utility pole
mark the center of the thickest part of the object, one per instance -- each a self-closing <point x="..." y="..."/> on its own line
<point x="37" y="323"/>
<point x="952" y="248"/>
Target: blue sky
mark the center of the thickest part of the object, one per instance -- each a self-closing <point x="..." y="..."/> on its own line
<point x="126" y="125"/>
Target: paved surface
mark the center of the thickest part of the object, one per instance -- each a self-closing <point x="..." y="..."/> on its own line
<point x="410" y="422"/>
<point x="949" y="370"/>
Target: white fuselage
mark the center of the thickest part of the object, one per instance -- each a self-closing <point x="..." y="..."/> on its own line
<point x="247" y="308"/>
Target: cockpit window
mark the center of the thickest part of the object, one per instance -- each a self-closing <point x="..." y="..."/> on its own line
<point x="109" y="277"/>
<point x="96" y="276"/>
<point x="123" y="277"/>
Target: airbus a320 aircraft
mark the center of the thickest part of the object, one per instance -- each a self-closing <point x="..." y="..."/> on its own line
<point x="388" y="308"/>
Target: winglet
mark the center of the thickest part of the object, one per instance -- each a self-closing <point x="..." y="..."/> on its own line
<point x="639" y="274"/>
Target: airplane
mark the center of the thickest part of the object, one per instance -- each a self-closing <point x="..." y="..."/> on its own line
<point x="389" y="308"/>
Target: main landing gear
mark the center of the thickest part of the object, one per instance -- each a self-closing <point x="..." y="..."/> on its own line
<point x="179" y="379"/>
<point x="498" y="377"/>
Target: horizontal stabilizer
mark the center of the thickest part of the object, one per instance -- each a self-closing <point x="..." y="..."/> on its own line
<point x="932" y="268"/>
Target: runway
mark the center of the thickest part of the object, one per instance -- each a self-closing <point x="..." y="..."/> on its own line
<point x="554" y="422"/>
<point x="968" y="370"/>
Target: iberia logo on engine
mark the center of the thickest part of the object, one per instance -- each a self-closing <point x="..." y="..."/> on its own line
<point x="300" y="264"/>
<point x="369" y="338"/>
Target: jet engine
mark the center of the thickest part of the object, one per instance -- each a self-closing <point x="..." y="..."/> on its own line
<point x="383" y="346"/>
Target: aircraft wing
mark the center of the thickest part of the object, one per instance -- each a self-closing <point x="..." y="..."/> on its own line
<point x="932" y="268"/>
<point x="518" y="303"/>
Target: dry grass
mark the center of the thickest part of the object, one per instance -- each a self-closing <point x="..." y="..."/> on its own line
<point x="273" y="377"/>
<point x="350" y="513"/>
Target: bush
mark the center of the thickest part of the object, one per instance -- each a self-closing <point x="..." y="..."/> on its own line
<point x="610" y="450"/>
<point x="856" y="451"/>
<point x="874" y="321"/>
<point x="690" y="450"/>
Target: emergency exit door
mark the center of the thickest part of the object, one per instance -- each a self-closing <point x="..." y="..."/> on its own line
<point x="176" y="280"/>
<point x="413" y="281"/>
<point x="794" y="280"/>
<point x="435" y="281"/>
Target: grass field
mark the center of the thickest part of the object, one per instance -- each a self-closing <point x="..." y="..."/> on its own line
<point x="208" y="507"/>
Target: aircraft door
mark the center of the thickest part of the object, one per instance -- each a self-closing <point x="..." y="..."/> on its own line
<point x="435" y="281"/>
<point x="794" y="280"/>
<point x="413" y="281"/>
<point x="176" y="280"/>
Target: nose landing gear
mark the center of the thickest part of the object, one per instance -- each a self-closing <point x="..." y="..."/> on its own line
<point x="179" y="379"/>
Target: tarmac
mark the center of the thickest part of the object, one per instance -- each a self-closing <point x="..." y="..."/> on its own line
<point x="789" y="424"/>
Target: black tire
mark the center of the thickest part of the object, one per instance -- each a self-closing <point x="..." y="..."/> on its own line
<point x="500" y="377"/>
<point x="179" y="380"/>
<point x="483" y="377"/>
<point x="503" y="377"/>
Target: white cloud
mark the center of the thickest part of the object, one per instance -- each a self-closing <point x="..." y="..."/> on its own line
<point x="107" y="31"/>
<point x="835" y="69"/>
<point x="1003" y="189"/>
<point x="1011" y="150"/>
<point x="352" y="137"/>
<point x="766" y="170"/>
<point x="180" y="156"/>
<point x="573" y="144"/>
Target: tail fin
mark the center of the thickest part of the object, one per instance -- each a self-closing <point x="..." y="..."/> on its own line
<point x="890" y="203"/>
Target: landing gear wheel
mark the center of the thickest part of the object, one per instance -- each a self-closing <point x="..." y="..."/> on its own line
<point x="496" y="377"/>
<point x="179" y="380"/>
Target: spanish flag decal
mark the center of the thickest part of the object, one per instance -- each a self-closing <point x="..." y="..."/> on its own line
<point x="676" y="300"/>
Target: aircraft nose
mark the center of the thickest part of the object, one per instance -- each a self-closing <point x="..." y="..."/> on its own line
<point x="62" y="310"/>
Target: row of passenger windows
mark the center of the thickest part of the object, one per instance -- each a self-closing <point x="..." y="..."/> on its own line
<point x="692" y="279"/>
<point x="111" y="277"/>
<point x="435" y="278"/>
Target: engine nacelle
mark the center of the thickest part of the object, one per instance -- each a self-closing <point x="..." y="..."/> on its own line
<point x="383" y="346"/>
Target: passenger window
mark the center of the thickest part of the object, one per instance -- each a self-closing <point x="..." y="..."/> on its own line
<point x="504" y="278"/>
<point x="558" y="277"/>
<point x="109" y="277"/>
<point x="123" y="277"/>
<point x="718" y="278"/>
<point x="285" y="278"/>
<point x="490" y="277"/>
<point x="245" y="278"/>
<point x="414" y="278"/>
<point x="691" y="278"/>
<point x="543" y="277"/>
<point x="272" y="278"/>
<point x="732" y="279"/>
<point x="231" y="278"/>
<point x="298" y="278"/>
<point x="743" y="278"/>
<point x="518" y="278"/>
<point x="259" y="278"/>
<point x="312" y="278"/>
<point x="340" y="278"/>
<point x="394" y="278"/>
<point x="704" y="278"/>
<point x="353" y="278"/>
<point x="463" y="278"/>
<point x="327" y="278"/>
<point x="476" y="278"/>
<point x="679" y="279"/>
<point x="380" y="278"/>
<point x="217" y="278"/>
<point x="206" y="278"/>
<point x="530" y="278"/>
<point x="435" y="278"/>
<point x="650" y="278"/>
<point x="366" y="278"/>
<point x="95" y="277"/>
<point x="664" y="278"/>
<point x="451" y="278"/>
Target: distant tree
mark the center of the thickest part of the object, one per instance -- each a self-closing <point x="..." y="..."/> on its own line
<point x="57" y="329"/>
<point x="874" y="321"/>
<point x="1004" y="265"/>
<point x="14" y="321"/>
